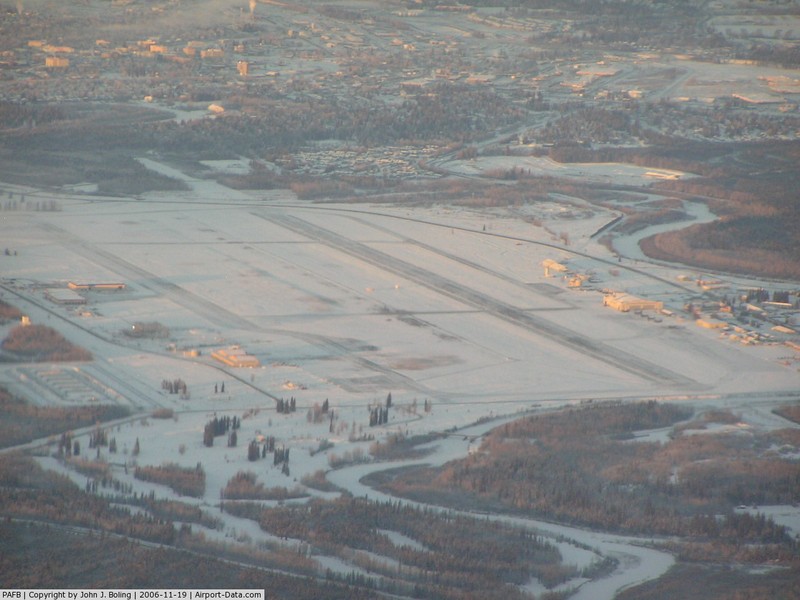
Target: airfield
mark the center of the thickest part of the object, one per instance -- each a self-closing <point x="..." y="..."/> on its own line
<point x="443" y="307"/>
<point x="353" y="301"/>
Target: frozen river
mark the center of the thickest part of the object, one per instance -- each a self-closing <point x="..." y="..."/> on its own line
<point x="628" y="245"/>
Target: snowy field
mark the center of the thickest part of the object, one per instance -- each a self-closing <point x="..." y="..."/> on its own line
<point x="348" y="303"/>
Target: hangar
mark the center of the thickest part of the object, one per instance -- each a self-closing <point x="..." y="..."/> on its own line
<point x="235" y="356"/>
<point x="627" y="303"/>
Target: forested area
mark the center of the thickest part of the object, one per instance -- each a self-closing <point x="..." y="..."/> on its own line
<point x="718" y="582"/>
<point x="452" y="556"/>
<point x="446" y="556"/>
<point x="29" y="492"/>
<point x="732" y="246"/>
<point x="9" y="312"/>
<point x="790" y="411"/>
<point x="585" y="466"/>
<point x="41" y="343"/>
<point x="34" y="502"/>
<point x="15" y="114"/>
<point x="46" y="557"/>
<point x="22" y="422"/>
<point x="243" y="486"/>
<point x="759" y="231"/>
<point x="173" y="510"/>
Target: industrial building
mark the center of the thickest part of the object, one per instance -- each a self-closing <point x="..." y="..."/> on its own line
<point x="627" y="303"/>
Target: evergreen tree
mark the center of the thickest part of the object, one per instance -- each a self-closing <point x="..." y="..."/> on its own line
<point x="252" y="451"/>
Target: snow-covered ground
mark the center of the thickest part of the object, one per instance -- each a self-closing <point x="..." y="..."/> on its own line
<point x="538" y="166"/>
<point x="347" y="304"/>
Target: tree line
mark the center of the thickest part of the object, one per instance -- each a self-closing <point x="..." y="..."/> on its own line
<point x="185" y="481"/>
